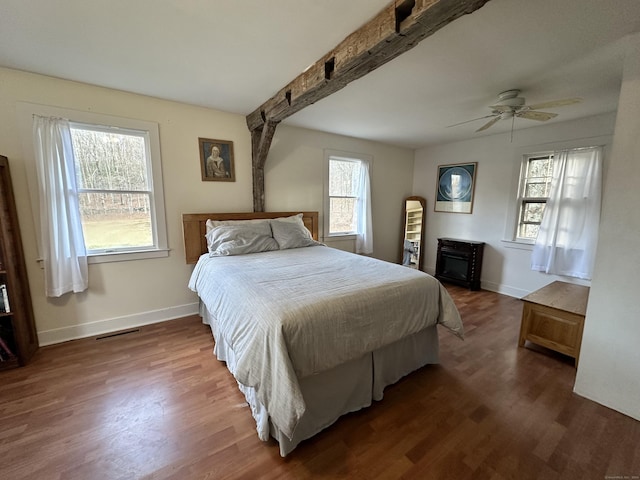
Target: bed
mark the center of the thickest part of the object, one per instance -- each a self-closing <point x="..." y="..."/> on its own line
<point x="309" y="332"/>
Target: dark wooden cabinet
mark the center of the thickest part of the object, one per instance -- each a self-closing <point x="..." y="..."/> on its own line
<point x="19" y="340"/>
<point x="459" y="262"/>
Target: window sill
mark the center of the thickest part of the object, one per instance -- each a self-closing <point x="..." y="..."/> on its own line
<point x="121" y="257"/>
<point x="518" y="244"/>
<point x="341" y="236"/>
<point x="127" y="256"/>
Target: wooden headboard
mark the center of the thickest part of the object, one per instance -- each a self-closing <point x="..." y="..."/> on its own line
<point x="194" y="227"/>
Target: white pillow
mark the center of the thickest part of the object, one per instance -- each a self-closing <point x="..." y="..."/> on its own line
<point x="211" y="224"/>
<point x="240" y="239"/>
<point x="290" y="232"/>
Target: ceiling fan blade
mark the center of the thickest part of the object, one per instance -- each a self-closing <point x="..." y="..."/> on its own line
<point x="468" y="121"/>
<point x="533" y="115"/>
<point x="488" y="124"/>
<point x="555" y="103"/>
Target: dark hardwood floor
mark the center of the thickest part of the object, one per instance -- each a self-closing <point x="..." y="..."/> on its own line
<point x="155" y="404"/>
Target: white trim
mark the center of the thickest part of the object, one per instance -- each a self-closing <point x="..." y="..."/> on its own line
<point x="338" y="155"/>
<point x="110" y="325"/>
<point x="511" y="217"/>
<point x="341" y="242"/>
<point x="518" y="244"/>
<point x="504" y="289"/>
<point x="25" y="112"/>
<point x="343" y="236"/>
<point x="121" y="256"/>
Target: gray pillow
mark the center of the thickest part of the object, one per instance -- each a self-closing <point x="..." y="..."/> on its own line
<point x="240" y="239"/>
<point x="291" y="234"/>
<point x="211" y="224"/>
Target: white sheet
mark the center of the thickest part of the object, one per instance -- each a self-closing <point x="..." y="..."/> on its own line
<point x="289" y="314"/>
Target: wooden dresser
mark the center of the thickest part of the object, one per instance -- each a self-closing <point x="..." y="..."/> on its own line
<point x="553" y="317"/>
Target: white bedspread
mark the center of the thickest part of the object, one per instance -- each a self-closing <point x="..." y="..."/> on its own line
<point x="288" y="314"/>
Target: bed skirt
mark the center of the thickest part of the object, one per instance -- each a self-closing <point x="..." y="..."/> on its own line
<point x="346" y="388"/>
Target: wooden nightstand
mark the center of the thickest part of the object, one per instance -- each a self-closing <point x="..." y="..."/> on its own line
<point x="553" y="317"/>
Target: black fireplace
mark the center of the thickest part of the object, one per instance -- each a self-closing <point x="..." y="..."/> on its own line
<point x="459" y="262"/>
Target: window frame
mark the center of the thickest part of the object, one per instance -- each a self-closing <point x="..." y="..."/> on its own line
<point x="110" y="123"/>
<point x="523" y="200"/>
<point x="149" y="192"/>
<point x="509" y="239"/>
<point x="340" y="156"/>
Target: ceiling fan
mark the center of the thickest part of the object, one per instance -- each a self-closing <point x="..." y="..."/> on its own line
<point x="510" y="105"/>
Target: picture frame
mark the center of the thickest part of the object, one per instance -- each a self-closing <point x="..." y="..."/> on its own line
<point x="216" y="166"/>
<point x="455" y="188"/>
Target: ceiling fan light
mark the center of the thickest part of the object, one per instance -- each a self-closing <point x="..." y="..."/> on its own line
<point x="507" y="94"/>
<point x="512" y="102"/>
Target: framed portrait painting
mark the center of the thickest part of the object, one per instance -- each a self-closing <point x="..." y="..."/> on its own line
<point x="216" y="160"/>
<point x="454" y="191"/>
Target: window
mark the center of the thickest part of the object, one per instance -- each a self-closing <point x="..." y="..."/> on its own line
<point x="115" y="188"/>
<point x="535" y="184"/>
<point x="568" y="237"/>
<point x="119" y="178"/>
<point x="343" y="195"/>
<point x="348" y="198"/>
<point x="118" y="172"/>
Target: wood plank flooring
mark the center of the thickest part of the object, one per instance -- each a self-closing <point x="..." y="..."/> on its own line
<point x="155" y="404"/>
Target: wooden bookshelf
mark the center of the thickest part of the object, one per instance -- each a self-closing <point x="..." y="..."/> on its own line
<point x="17" y="326"/>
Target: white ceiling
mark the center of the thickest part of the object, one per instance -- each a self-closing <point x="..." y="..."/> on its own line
<point x="232" y="56"/>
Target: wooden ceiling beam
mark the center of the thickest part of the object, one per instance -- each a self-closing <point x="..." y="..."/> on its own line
<point x="261" y="138"/>
<point x="397" y="28"/>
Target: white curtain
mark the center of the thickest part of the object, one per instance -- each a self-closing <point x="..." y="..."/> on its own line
<point x="61" y="240"/>
<point x="364" y="237"/>
<point x="568" y="237"/>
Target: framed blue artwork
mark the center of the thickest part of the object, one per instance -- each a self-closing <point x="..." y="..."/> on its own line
<point x="454" y="192"/>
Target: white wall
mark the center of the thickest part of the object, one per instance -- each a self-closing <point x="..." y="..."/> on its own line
<point x="294" y="175"/>
<point x="506" y="265"/>
<point x="124" y="294"/>
<point x="609" y="369"/>
<point x="127" y="294"/>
